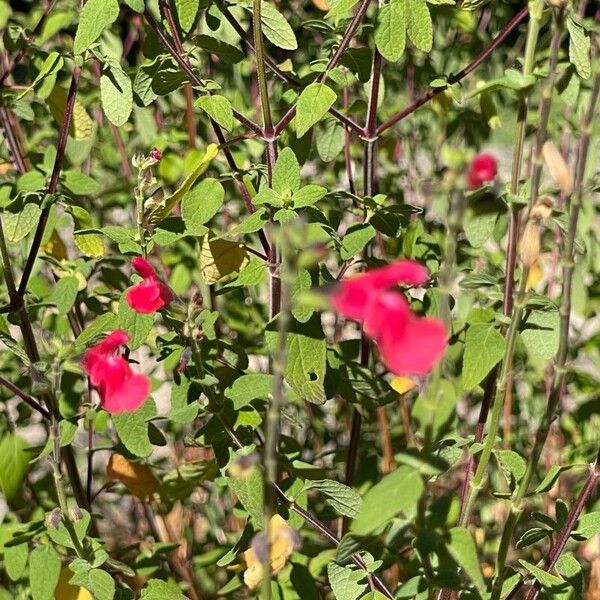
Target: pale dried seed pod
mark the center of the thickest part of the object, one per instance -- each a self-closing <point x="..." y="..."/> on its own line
<point x="531" y="240"/>
<point x="557" y="167"/>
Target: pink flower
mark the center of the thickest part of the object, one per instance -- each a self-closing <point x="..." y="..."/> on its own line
<point x="149" y="295"/>
<point x="408" y="343"/>
<point x="483" y="168"/>
<point x="120" y="389"/>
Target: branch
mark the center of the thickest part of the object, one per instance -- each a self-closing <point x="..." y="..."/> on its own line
<point x="63" y="135"/>
<point x="30" y="401"/>
<point x="413" y="106"/>
<point x="216" y="128"/>
<point x="346" y="39"/>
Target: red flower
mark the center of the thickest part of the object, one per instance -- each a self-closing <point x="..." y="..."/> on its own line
<point x="149" y="295"/>
<point x="120" y="389"/>
<point x="483" y="168"/>
<point x="408" y="343"/>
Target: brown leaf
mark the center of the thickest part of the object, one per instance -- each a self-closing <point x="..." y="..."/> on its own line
<point x="136" y="477"/>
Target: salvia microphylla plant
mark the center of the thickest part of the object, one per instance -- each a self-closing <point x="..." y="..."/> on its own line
<point x="299" y="300"/>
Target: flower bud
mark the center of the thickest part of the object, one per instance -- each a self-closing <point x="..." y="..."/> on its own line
<point x="557" y="167"/>
<point x="483" y="168"/>
<point x="530" y="244"/>
<point x="155" y="154"/>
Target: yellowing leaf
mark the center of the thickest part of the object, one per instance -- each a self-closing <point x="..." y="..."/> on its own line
<point x="82" y="125"/>
<point x="90" y="244"/>
<point x="219" y="258"/>
<point x="56" y="247"/>
<point x="284" y="540"/>
<point x="163" y="211"/>
<point x="536" y="273"/>
<point x="321" y="5"/>
<point x="66" y="591"/>
<point x="136" y="477"/>
<point x="403" y="384"/>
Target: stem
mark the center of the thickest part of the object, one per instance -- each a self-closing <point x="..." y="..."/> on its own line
<point x="487" y="51"/>
<point x="260" y="66"/>
<point x="186" y="67"/>
<point x="272" y="432"/>
<point x="555" y="396"/>
<point x="344" y="43"/>
<point x="32" y="402"/>
<point x="52" y="186"/>
<point x="513" y="236"/>
<point x="565" y="532"/>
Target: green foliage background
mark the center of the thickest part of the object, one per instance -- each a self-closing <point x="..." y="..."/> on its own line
<point x="301" y="141"/>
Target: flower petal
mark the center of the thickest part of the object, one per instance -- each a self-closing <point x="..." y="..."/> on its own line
<point x="143" y="268"/>
<point x="417" y="350"/>
<point x="128" y="395"/>
<point x="145" y="297"/>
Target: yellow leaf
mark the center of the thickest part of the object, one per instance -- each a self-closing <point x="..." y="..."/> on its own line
<point x="66" y="591"/>
<point x="82" y="125"/>
<point x="136" y="477"/>
<point x="90" y="244"/>
<point x="284" y="540"/>
<point x="219" y="258"/>
<point x="164" y="211"/>
<point x="403" y="384"/>
<point x="322" y="5"/>
<point x="536" y="273"/>
<point x="56" y="247"/>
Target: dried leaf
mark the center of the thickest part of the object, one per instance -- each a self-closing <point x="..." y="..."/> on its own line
<point x="136" y="477"/>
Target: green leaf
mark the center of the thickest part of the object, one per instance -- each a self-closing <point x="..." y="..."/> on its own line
<point x="187" y="10"/>
<point x="484" y="347"/>
<point x="137" y="325"/>
<point x="132" y="428"/>
<point x="344" y="581"/>
<point x="182" y="411"/>
<point x="95" y="16"/>
<point x="64" y="294"/>
<point x="588" y="525"/>
<point x="420" y="28"/>
<point x="81" y="184"/>
<point x="479" y="228"/>
<point x="15" y="560"/>
<point x="313" y="104"/>
<point x="254" y="222"/>
<point x="343" y="499"/>
<point x="579" y="47"/>
<point x="18" y="225"/>
<point x="463" y="550"/>
<point x="60" y="534"/>
<point x="226" y="52"/>
<point x="44" y="571"/>
<point x="137" y="5"/>
<point x="308" y="195"/>
<point x="201" y="204"/>
<point x="340" y="7"/>
<point x="399" y="492"/>
<point x="356" y="238"/>
<point x="286" y="174"/>
<point x="101" y="584"/>
<point x="302" y="284"/>
<point x="541" y="333"/>
<point x="104" y="323"/>
<point x="546" y="579"/>
<point x="116" y="94"/>
<point x="275" y="26"/>
<point x="390" y="34"/>
<point x="330" y="140"/>
<point x="512" y="464"/>
<point x="156" y="589"/>
<point x="249" y="387"/>
<point x="218" y="108"/>
<point x="14" y="464"/>
<point x="181" y="482"/>
<point x="306" y="358"/>
<point x="248" y="486"/>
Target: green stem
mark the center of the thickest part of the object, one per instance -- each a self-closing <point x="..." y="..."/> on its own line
<point x="139" y="205"/>
<point x="558" y="383"/>
<point x="272" y="425"/>
<point x="260" y="67"/>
